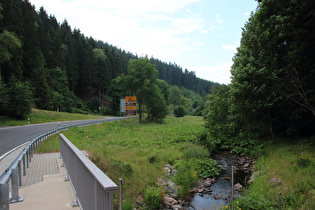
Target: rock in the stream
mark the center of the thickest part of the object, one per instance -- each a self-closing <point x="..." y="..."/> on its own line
<point x="170" y="201"/>
<point x="238" y="187"/>
<point x="207" y="183"/>
<point x="217" y="197"/>
<point x="177" y="207"/>
<point x="200" y="190"/>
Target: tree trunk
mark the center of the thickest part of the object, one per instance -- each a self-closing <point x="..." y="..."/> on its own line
<point x="270" y="122"/>
<point x="140" y="112"/>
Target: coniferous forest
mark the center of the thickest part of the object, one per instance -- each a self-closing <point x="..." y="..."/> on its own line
<point x="48" y="65"/>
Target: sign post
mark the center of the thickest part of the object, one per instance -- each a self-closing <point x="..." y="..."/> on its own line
<point x="131" y="105"/>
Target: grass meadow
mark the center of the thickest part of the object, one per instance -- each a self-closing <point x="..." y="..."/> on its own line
<point x="136" y="153"/>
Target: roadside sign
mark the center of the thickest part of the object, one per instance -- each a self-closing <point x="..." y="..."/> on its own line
<point x="122" y="105"/>
<point x="131" y="99"/>
<point x="131" y="105"/>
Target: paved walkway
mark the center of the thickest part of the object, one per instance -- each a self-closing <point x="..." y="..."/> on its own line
<point x="44" y="187"/>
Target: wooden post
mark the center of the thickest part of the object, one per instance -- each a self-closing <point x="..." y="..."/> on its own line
<point x="232" y="187"/>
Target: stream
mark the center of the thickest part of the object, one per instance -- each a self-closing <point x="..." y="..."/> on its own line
<point x="220" y="194"/>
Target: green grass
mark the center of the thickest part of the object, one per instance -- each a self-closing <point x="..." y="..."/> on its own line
<point x="282" y="161"/>
<point x="136" y="153"/>
<point x="44" y="116"/>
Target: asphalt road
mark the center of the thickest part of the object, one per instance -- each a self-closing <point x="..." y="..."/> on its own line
<point x="11" y="137"/>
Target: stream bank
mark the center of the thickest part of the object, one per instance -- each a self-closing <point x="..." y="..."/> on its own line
<point x="218" y="194"/>
<point x="212" y="193"/>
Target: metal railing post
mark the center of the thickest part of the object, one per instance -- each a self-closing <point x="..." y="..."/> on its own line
<point x="4" y="195"/>
<point x="27" y="158"/>
<point x="121" y="182"/>
<point x="20" y="173"/>
<point x="232" y="188"/>
<point x="32" y="151"/>
<point x="24" y="165"/>
<point x="15" y="186"/>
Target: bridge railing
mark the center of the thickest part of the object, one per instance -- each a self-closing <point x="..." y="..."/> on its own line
<point x="93" y="189"/>
<point x="18" y="167"/>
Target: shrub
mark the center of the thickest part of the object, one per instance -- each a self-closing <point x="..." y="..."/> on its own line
<point x="122" y="167"/>
<point x="153" y="197"/>
<point x="206" y="167"/>
<point x="185" y="178"/>
<point x="195" y="151"/>
<point x="303" y="161"/>
<point x="179" y="112"/>
<point x="20" y="99"/>
<point x="127" y="205"/>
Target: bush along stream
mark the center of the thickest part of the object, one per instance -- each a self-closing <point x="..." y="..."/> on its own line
<point x="211" y="192"/>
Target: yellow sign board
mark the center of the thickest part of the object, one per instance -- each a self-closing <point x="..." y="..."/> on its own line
<point x="131" y="105"/>
<point x="130" y="99"/>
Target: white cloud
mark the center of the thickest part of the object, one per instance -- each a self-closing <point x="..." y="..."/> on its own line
<point x="199" y="44"/>
<point x="230" y="48"/>
<point x="173" y="31"/>
<point x="220" y="73"/>
<point x="187" y="25"/>
<point x="128" y="24"/>
<point x="219" y="21"/>
<point x="157" y="17"/>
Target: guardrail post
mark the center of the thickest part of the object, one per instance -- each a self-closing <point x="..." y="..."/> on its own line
<point x="15" y="186"/>
<point x="27" y="158"/>
<point x="36" y="144"/>
<point x="4" y="195"/>
<point x="20" y="173"/>
<point x="29" y="154"/>
<point x="32" y="151"/>
<point x="24" y="165"/>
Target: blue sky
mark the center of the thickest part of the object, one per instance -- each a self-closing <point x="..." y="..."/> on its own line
<point x="200" y="35"/>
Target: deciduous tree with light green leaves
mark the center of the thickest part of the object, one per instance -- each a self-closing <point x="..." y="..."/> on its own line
<point x="141" y="81"/>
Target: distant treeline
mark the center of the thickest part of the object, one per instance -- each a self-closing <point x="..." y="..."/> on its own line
<point x="62" y="67"/>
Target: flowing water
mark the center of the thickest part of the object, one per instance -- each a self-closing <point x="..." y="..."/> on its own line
<point x="221" y="189"/>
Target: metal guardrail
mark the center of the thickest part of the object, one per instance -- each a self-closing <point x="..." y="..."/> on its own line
<point x="93" y="189"/>
<point x="18" y="167"/>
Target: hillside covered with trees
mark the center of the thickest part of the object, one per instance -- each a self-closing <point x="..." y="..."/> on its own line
<point x="48" y="65"/>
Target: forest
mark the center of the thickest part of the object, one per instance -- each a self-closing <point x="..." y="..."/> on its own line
<point x="272" y="92"/>
<point x="48" y="65"/>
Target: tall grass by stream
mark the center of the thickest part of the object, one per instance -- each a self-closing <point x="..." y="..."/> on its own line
<point x="291" y="165"/>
